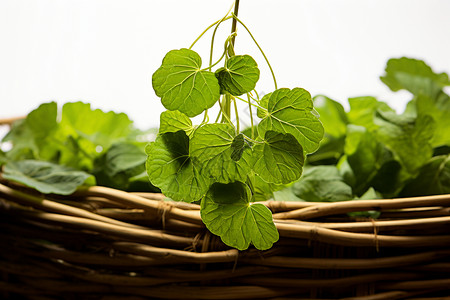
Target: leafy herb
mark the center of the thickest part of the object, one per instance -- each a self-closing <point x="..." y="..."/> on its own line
<point x="413" y="75"/>
<point x="120" y="166"/>
<point x="377" y="152"/>
<point x="69" y="145"/>
<point x="47" y="177"/>
<point x="183" y="85"/>
<point x="368" y="152"/>
<point x="228" y="212"/>
<point x="322" y="183"/>
<point x="216" y="163"/>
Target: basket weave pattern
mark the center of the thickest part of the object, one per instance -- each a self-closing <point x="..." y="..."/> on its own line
<point x="102" y="243"/>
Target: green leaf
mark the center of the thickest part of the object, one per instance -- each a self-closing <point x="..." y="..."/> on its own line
<point x="100" y="128"/>
<point x="31" y="135"/>
<point x="290" y="111"/>
<point x="261" y="189"/>
<point x="332" y="116"/>
<point x="24" y="143"/>
<point x="322" y="184"/>
<point x="263" y="103"/>
<point x="407" y="137"/>
<point x="212" y="146"/>
<point x="170" y="167"/>
<point x="365" y="155"/>
<point x="119" y="164"/>
<point x="286" y="194"/>
<point x="334" y="120"/>
<point x="279" y="158"/>
<point x="413" y="75"/>
<point x="183" y="86"/>
<point x="238" y="146"/>
<point x="42" y="121"/>
<point x="439" y="110"/>
<point x="362" y="111"/>
<point x="433" y="178"/>
<point x="227" y="212"/>
<point x="172" y="121"/>
<point x="46" y="177"/>
<point x="239" y="76"/>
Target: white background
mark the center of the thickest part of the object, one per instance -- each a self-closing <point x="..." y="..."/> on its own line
<point x="105" y="51"/>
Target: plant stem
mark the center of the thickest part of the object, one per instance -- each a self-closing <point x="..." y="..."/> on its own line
<point x="260" y="49"/>
<point x="233" y="25"/>
<point x="251" y="115"/>
<point x="226" y="105"/>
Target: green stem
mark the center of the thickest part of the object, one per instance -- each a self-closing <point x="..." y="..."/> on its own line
<point x="226" y="116"/>
<point x="250" y="103"/>
<point x="237" y="114"/>
<point x="226" y="105"/>
<point x="220" y="112"/>
<point x="226" y="108"/>
<point x="260" y="49"/>
<point x="251" y="115"/>
<point x="210" y="26"/>
<point x="205" y="117"/>
<point x="218" y="61"/>
<point x="204" y="31"/>
<point x="226" y="17"/>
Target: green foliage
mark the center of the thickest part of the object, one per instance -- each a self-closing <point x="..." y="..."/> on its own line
<point x="322" y="183"/>
<point x="334" y="120"/>
<point x="77" y="138"/>
<point x="439" y="110"/>
<point x="408" y="138"/>
<point x="433" y="178"/>
<point x="215" y="162"/>
<point x="363" y="109"/>
<point x="290" y="111"/>
<point x="119" y="165"/>
<point x="212" y="145"/>
<point x="173" y="120"/>
<point x="228" y="212"/>
<point x="239" y="76"/>
<point x="279" y="158"/>
<point x="413" y="75"/>
<point x="368" y="152"/>
<point x="183" y="86"/>
<point x="173" y="170"/>
<point x="373" y="152"/>
<point x="46" y="177"/>
<point x="365" y="156"/>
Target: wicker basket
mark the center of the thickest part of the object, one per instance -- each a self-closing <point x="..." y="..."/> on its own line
<point x="102" y="243"/>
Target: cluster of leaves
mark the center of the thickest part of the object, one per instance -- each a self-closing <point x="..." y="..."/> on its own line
<point x="57" y="152"/>
<point x="373" y="152"/>
<point x="216" y="164"/>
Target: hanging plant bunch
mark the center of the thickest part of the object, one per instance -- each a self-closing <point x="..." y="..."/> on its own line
<point x="216" y="163"/>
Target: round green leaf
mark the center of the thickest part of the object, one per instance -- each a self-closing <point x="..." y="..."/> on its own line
<point x="239" y="76"/>
<point x="170" y="167"/>
<point x="227" y="212"/>
<point x="173" y="120"/>
<point x="290" y="111"/>
<point x="279" y="159"/>
<point x="181" y="84"/>
<point x="212" y="145"/>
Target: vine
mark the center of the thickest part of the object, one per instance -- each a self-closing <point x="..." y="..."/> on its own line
<point x="217" y="164"/>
